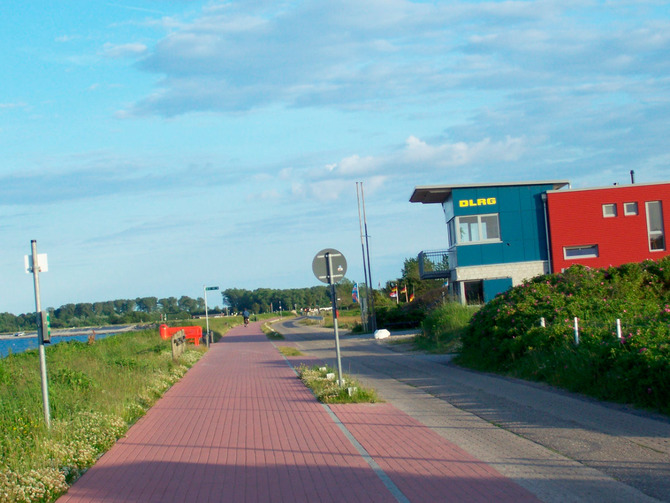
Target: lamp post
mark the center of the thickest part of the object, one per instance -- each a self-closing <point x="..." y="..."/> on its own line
<point x="206" y="288"/>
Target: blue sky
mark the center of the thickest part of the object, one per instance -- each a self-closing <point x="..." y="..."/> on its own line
<point x="152" y="147"/>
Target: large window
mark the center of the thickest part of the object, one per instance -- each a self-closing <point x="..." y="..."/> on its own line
<point x="576" y="252"/>
<point x="655" y="225"/>
<point x="474" y="229"/>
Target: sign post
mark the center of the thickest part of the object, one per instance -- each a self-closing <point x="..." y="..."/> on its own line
<point x="206" y="288"/>
<point x="36" y="263"/>
<point x="330" y="266"/>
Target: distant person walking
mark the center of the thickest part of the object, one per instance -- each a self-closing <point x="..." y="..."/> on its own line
<point x="245" y="315"/>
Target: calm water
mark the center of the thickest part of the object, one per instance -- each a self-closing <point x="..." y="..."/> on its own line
<point x="21" y="344"/>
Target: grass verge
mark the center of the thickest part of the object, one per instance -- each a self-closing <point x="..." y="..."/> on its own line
<point x="323" y="384"/>
<point x="289" y="351"/>
<point x="271" y="334"/>
<point x="96" y="391"/>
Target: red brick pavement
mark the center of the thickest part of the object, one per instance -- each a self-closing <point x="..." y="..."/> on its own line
<point x="240" y="427"/>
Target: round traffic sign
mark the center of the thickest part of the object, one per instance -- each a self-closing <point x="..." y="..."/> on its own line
<point x="320" y="266"/>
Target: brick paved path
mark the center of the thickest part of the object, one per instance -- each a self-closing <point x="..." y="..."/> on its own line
<point x="241" y="427"/>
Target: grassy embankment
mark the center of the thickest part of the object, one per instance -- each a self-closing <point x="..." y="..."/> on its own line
<point x="96" y="391"/>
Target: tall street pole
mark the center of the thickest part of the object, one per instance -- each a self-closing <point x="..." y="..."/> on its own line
<point x="367" y="246"/>
<point x="364" y="310"/>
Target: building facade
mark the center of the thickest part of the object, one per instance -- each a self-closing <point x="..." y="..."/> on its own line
<point x="609" y="226"/>
<point x="499" y="235"/>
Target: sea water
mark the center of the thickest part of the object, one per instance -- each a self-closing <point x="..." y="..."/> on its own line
<point x="21" y="344"/>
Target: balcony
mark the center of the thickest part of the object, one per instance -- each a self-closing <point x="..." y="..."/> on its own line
<point x="434" y="264"/>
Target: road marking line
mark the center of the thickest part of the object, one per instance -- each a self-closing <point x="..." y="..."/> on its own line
<point x="386" y="480"/>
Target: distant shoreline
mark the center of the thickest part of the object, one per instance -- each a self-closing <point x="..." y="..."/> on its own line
<point x="66" y="332"/>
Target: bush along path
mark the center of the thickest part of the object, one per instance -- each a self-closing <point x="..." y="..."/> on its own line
<point x="629" y="366"/>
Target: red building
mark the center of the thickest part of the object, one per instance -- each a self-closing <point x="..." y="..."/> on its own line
<point x="609" y="226"/>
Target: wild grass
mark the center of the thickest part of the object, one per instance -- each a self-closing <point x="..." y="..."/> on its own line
<point x="95" y="391"/>
<point x="270" y="333"/>
<point x="289" y="351"/>
<point x="327" y="390"/>
<point x="345" y="320"/>
<point x="443" y="328"/>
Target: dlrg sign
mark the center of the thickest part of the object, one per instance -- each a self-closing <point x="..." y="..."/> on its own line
<point x="466" y="203"/>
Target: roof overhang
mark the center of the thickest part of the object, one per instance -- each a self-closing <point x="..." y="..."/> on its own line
<point x="432" y="194"/>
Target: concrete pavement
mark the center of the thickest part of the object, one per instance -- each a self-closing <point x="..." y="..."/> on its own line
<point x="559" y="446"/>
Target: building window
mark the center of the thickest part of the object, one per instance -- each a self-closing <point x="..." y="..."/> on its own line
<point x="474" y="292"/>
<point x="476" y="229"/>
<point x="609" y="210"/>
<point x="577" y="252"/>
<point x="451" y="232"/>
<point x="629" y="209"/>
<point x="655" y="225"/>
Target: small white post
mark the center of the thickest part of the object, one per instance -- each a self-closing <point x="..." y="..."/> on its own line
<point x="542" y="322"/>
<point x="576" y="331"/>
<point x="618" y="328"/>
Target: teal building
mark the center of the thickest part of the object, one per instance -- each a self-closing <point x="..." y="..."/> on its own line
<point x="496" y="236"/>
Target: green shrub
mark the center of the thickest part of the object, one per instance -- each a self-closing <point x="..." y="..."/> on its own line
<point x="505" y="335"/>
<point x="443" y="327"/>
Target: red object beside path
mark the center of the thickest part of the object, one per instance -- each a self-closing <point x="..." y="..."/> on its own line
<point x="192" y="333"/>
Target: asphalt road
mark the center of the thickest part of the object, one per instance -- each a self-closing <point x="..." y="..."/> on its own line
<point x="560" y="446"/>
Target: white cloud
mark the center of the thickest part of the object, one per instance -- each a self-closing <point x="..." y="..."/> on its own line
<point x="322" y="190"/>
<point x="413" y="160"/>
<point x="66" y="38"/>
<point x="462" y="153"/>
<point x="123" y="50"/>
<point x="13" y="105"/>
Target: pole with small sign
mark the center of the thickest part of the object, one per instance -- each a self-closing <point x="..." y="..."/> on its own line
<point x="36" y="263"/>
<point x="206" y="289"/>
<point x="330" y="266"/>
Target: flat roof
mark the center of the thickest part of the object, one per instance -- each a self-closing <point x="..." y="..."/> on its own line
<point x="430" y="194"/>
<point x="614" y="186"/>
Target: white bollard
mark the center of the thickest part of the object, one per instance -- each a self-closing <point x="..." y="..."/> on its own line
<point x="542" y="322"/>
<point x="576" y="331"/>
<point x="618" y="328"/>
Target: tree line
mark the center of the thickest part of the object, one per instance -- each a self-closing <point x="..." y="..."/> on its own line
<point x="111" y="312"/>
<point x="234" y="300"/>
<point x="154" y="309"/>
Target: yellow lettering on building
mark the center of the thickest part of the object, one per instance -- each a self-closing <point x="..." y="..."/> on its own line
<point x="465" y="203"/>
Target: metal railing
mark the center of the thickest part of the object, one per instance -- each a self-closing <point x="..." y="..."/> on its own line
<point x="433" y="264"/>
